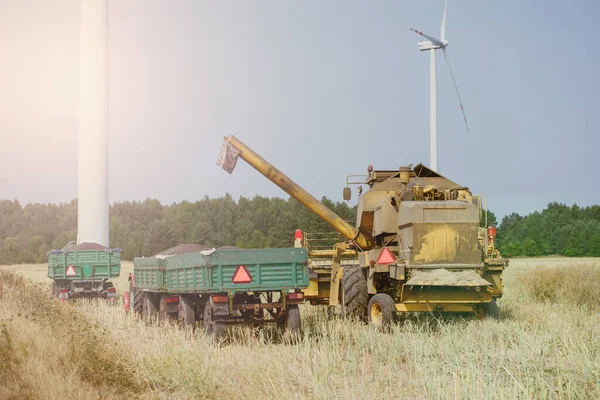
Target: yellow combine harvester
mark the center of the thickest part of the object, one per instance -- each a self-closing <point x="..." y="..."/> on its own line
<point x="417" y="239"/>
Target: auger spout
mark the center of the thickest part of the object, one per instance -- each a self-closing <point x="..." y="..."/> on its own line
<point x="301" y="195"/>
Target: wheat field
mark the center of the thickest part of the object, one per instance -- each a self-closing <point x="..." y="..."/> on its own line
<point x="545" y="345"/>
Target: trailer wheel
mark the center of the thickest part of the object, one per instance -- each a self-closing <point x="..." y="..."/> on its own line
<point x="355" y="297"/>
<point x="212" y="327"/>
<point x="54" y="289"/>
<point x="491" y="309"/>
<point x="185" y="312"/>
<point x="382" y="310"/>
<point x="292" y="319"/>
<point x="109" y="285"/>
<point x="164" y="315"/>
<point x="150" y="304"/>
<point x="136" y="299"/>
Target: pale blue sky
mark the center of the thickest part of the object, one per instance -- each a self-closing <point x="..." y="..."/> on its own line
<point x="321" y="89"/>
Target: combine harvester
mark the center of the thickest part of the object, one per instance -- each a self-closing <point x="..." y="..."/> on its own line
<point x="417" y="239"/>
<point x="84" y="271"/>
<point x="222" y="287"/>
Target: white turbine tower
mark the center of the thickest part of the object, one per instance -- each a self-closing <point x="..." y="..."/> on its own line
<point x="92" y="137"/>
<point x="433" y="44"/>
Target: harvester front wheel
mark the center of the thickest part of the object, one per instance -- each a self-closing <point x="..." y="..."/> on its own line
<point x="382" y="310"/>
<point x="355" y="298"/>
<point x="491" y="309"/>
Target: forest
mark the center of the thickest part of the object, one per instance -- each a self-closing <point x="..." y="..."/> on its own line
<point x="144" y="228"/>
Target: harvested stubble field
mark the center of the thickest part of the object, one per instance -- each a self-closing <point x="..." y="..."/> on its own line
<point x="545" y="345"/>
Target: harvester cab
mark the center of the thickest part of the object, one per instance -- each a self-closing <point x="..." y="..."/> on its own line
<point x="417" y="239"/>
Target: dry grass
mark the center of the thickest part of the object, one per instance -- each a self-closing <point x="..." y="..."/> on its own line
<point x="542" y="347"/>
<point x="51" y="350"/>
<point x="578" y="285"/>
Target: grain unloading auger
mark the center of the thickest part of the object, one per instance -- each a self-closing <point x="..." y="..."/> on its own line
<point x="417" y="237"/>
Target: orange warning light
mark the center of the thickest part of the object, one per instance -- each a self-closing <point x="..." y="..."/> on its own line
<point x="386" y="257"/>
<point x="241" y="275"/>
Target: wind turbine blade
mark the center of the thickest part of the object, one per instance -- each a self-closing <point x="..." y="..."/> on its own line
<point x="456" y="87"/>
<point x="443" y="30"/>
<point x="433" y="40"/>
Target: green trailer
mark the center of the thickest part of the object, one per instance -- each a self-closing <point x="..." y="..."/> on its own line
<point x="84" y="270"/>
<point x="222" y="287"/>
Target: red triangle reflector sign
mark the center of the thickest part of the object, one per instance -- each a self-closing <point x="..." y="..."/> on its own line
<point x="70" y="271"/>
<point x="386" y="257"/>
<point x="241" y="275"/>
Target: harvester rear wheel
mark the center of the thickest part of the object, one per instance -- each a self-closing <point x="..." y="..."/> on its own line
<point x="382" y="310"/>
<point x="491" y="309"/>
<point x="355" y="298"/>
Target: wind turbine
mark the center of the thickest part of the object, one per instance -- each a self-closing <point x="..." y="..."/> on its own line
<point x="431" y="45"/>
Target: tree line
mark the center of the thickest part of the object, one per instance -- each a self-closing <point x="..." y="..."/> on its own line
<point x="557" y="230"/>
<point x="144" y="228"/>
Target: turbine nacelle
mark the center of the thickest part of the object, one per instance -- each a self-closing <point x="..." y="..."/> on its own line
<point x="433" y="42"/>
<point x="428" y="45"/>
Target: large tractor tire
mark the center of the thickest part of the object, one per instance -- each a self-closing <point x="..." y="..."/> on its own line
<point x="212" y="327"/>
<point x="491" y="309"/>
<point x="382" y="311"/>
<point x="355" y="296"/>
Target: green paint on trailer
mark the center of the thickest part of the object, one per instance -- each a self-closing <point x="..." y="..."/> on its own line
<point x="270" y="269"/>
<point x="88" y="264"/>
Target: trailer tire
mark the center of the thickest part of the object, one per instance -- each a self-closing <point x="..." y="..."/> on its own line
<point x="491" y="309"/>
<point x="212" y="327"/>
<point x="355" y="296"/>
<point x="186" y="313"/>
<point x="136" y="299"/>
<point x="164" y="315"/>
<point x="382" y="311"/>
<point x="150" y="304"/>
<point x="108" y="285"/>
<point x="54" y="289"/>
<point x="292" y="320"/>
